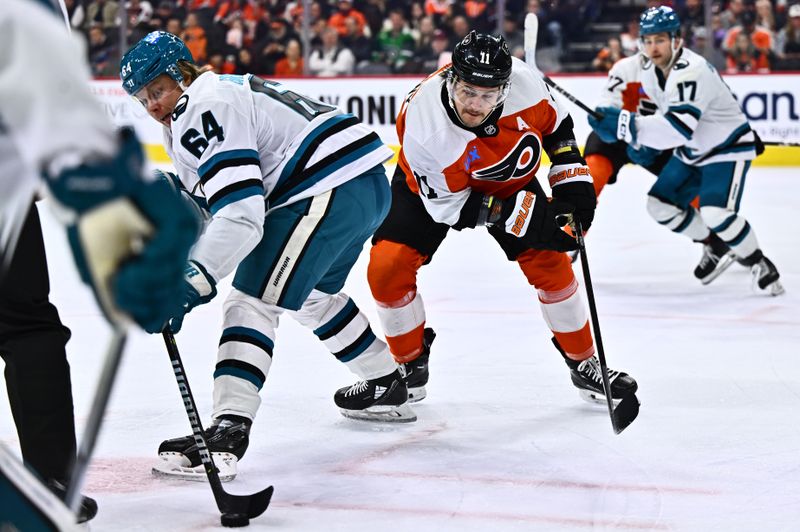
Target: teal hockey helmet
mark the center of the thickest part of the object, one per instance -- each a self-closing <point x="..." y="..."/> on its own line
<point x="660" y="19"/>
<point x="157" y="53"/>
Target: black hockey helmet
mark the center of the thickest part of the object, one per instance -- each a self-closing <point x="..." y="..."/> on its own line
<point x="482" y="59"/>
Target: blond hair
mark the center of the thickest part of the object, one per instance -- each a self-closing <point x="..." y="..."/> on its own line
<point x="191" y="71"/>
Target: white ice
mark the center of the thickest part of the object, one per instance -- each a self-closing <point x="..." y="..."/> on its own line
<point x="503" y="442"/>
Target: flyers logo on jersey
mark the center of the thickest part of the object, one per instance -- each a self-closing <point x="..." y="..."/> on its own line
<point x="523" y="159"/>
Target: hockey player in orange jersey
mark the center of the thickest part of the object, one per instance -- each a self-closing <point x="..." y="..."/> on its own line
<point x="472" y="136"/>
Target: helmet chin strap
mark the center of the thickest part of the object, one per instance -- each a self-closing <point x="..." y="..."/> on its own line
<point x="676" y="43"/>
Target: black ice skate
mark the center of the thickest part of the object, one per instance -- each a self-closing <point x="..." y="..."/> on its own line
<point x="88" y="508"/>
<point x="765" y="274"/>
<point x="417" y="370"/>
<point x="227" y="439"/>
<point x="587" y="378"/>
<point x="717" y="257"/>
<point x="381" y="399"/>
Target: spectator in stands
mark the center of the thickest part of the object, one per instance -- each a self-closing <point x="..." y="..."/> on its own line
<point x="356" y="41"/>
<point x="758" y="37"/>
<point x="415" y="22"/>
<point x="292" y="64"/>
<point x="629" y="40"/>
<point x="608" y="55"/>
<point x="234" y="37"/>
<point x="139" y="12"/>
<point x="163" y="13"/>
<point x="174" y="26"/>
<point x="438" y="9"/>
<point x="477" y="14"/>
<point x="103" y="53"/>
<point x="460" y="26"/>
<point x="75" y="13"/>
<point x="332" y="59"/>
<point x="437" y="54"/>
<point x="344" y="11"/>
<point x="787" y="42"/>
<point x="548" y="43"/>
<point x="395" y="45"/>
<point x="272" y="48"/>
<point x="244" y="62"/>
<point x="744" y="56"/>
<point x="515" y="38"/>
<point x="765" y="18"/>
<point x="195" y="38"/>
<point x="425" y="32"/>
<point x="374" y="11"/>
<point x="730" y="16"/>
<point x="691" y="16"/>
<point x="701" y="44"/>
<point x="102" y="12"/>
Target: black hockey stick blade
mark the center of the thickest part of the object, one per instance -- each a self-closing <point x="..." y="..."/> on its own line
<point x="251" y="505"/>
<point x="625" y="412"/>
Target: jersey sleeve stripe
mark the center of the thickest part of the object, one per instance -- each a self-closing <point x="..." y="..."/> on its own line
<point x="314" y="139"/>
<point x="686" y="109"/>
<point x="227" y="159"/>
<point x="679" y="125"/>
<point x="324" y="167"/>
<point x="235" y="192"/>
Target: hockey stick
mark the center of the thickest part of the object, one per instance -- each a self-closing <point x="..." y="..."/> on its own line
<point x="237" y="510"/>
<point x="531" y="34"/>
<point x="628" y="408"/>
<point x="114" y="354"/>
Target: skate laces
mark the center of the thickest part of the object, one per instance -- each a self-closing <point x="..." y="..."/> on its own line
<point x="357" y="388"/>
<point x="591" y="368"/>
<point x="709" y="256"/>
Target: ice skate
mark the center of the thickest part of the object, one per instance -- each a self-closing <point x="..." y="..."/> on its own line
<point x="766" y="277"/>
<point x="227" y="440"/>
<point x="587" y="378"/>
<point x="717" y="257"/>
<point x="88" y="508"/>
<point x="381" y="399"/>
<point x="416" y="376"/>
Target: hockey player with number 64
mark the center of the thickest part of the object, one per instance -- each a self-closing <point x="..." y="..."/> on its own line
<point x="472" y="136"/>
<point x="293" y="188"/>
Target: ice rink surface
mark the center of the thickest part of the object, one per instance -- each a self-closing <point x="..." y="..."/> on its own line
<point x="503" y="442"/>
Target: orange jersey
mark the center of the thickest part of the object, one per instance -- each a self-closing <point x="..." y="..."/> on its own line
<point x="444" y="161"/>
<point x="624" y="88"/>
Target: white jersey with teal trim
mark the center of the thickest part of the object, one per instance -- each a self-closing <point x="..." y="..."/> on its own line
<point x="698" y="114"/>
<point x="248" y="145"/>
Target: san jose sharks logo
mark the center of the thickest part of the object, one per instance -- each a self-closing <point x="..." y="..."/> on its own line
<point x="523" y="159"/>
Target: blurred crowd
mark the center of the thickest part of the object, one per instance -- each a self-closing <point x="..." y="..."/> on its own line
<point x="416" y="36"/>
<point x="744" y="36"/>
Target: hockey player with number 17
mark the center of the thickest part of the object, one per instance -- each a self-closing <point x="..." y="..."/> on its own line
<point x="472" y="137"/>
<point x="714" y="146"/>
<point x="293" y="188"/>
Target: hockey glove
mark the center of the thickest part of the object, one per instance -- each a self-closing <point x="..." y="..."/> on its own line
<point x="572" y="184"/>
<point x="129" y="237"/>
<point x="531" y="217"/>
<point x="643" y="156"/>
<point x="614" y="124"/>
<point x="200" y="288"/>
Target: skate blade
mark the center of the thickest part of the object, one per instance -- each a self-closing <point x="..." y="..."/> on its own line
<point x="386" y="414"/>
<point x="724" y="263"/>
<point x="596" y="398"/>
<point x="415" y="395"/>
<point x="176" y="466"/>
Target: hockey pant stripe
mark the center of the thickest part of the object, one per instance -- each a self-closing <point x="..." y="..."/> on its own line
<point x="682" y="221"/>
<point x="245" y="354"/>
<point x="240" y="369"/>
<point x="346" y="333"/>
<point x="732" y="228"/>
<point x="404" y="326"/>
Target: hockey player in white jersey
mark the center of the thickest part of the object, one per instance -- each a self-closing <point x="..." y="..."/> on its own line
<point x="294" y="187"/>
<point x="713" y="147"/>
